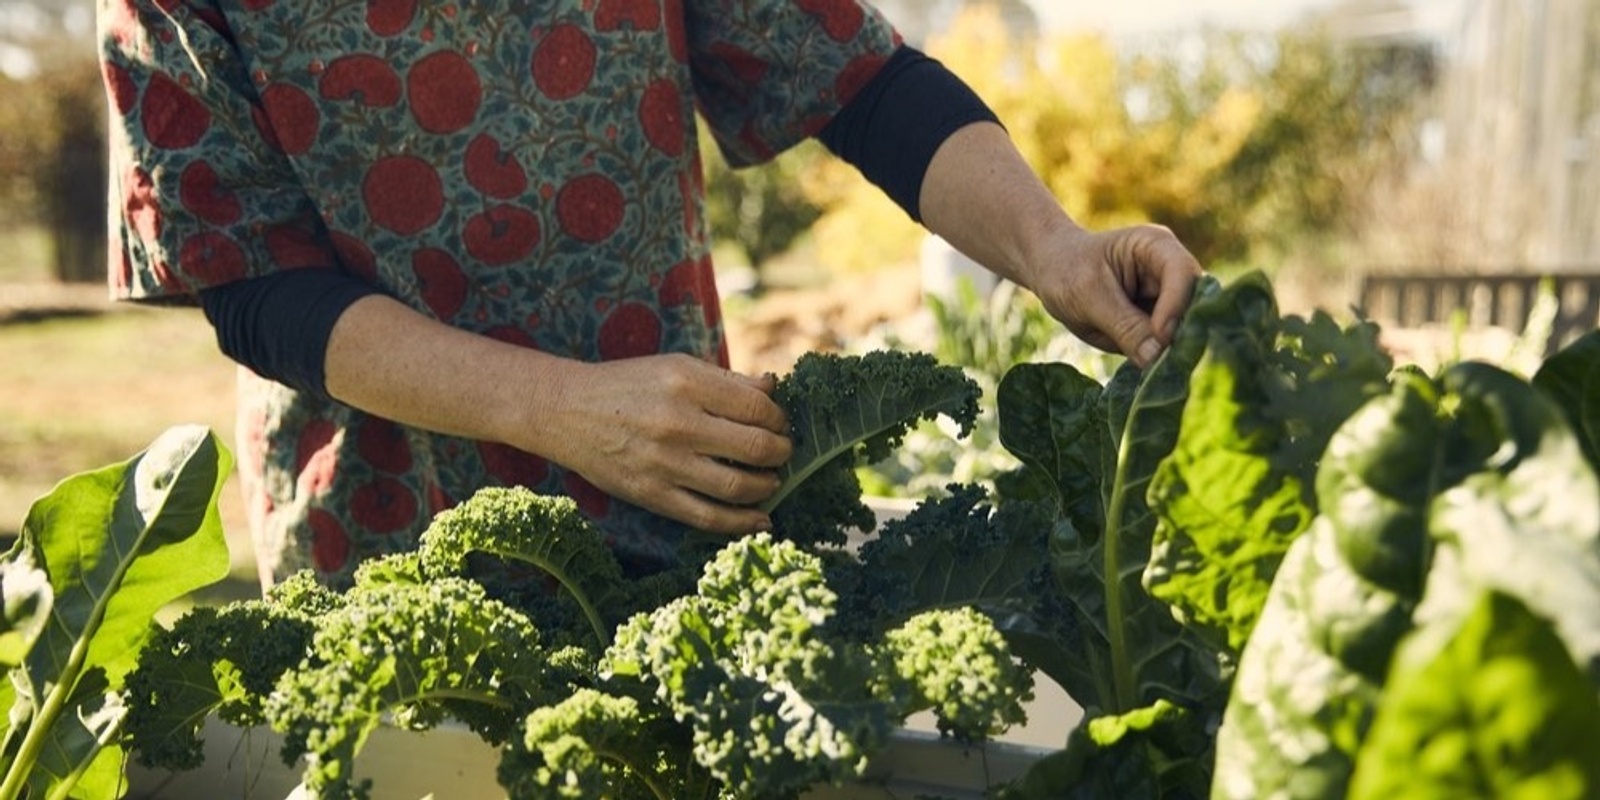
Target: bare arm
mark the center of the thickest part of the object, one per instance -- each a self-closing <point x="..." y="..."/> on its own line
<point x="655" y="431"/>
<point x="1120" y="290"/>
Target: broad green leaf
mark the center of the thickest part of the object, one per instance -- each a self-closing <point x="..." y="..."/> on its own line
<point x="1099" y="555"/>
<point x="1051" y="421"/>
<point x="1500" y="712"/>
<point x="1298" y="710"/>
<point x="25" y="592"/>
<point x="1264" y="402"/>
<point x="1151" y="752"/>
<point x="1314" y="665"/>
<point x="1429" y="496"/>
<point x="121" y="542"/>
<point x="1526" y="522"/>
<point x="118" y="544"/>
<point x="1572" y="378"/>
<point x="1226" y="513"/>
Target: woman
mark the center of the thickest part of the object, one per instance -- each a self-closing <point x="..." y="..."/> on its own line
<point x="458" y="243"/>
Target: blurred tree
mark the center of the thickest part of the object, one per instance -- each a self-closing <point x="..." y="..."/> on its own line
<point x="760" y="211"/>
<point x="52" y="108"/>
<point x="37" y="35"/>
<point x="1243" y="144"/>
<point x="73" y="202"/>
<point x="1331" y="117"/>
<point x="53" y="163"/>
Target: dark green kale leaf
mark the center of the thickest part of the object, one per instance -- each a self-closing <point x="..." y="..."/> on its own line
<point x="212" y="661"/>
<point x="413" y="653"/>
<point x="549" y="533"/>
<point x="849" y="410"/>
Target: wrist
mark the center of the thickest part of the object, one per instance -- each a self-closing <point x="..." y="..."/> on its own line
<point x="534" y="405"/>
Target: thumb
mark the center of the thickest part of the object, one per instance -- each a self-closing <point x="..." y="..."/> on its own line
<point x="1133" y="333"/>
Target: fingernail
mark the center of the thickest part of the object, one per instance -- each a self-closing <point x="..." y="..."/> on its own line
<point x="1149" y="351"/>
<point x="1170" y="329"/>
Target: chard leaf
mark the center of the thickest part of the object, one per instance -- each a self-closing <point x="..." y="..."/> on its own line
<point x="1155" y="751"/>
<point x="1572" y="378"/>
<point x="117" y="544"/>
<point x="1500" y="711"/>
<point x="1429" y="496"/>
<point x="1226" y="514"/>
<point x="1099" y="557"/>
<point x="1526" y="522"/>
<point x="1052" y="422"/>
<point x="1237" y="490"/>
<point x="25" y="591"/>
<point x="1298" y="710"/>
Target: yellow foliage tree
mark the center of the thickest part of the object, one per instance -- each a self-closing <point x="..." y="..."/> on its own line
<point x="1063" y="102"/>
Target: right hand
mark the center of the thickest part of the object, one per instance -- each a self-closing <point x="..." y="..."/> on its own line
<point x="675" y="435"/>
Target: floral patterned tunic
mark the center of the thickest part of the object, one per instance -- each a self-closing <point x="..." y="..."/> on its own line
<point x="524" y="169"/>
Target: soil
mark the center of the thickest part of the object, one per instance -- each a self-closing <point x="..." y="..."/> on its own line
<point x="767" y="333"/>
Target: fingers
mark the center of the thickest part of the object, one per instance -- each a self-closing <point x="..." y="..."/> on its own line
<point x="703" y="514"/>
<point x="1176" y="272"/>
<point x="1150" y="281"/>
<point x="685" y="439"/>
<point x="748" y="401"/>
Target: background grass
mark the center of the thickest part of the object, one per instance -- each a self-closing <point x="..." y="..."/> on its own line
<point x="85" y="382"/>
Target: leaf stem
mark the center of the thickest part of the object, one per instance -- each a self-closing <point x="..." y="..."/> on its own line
<point x="654" y="786"/>
<point x="1123" y="698"/>
<point x="39" y="727"/>
<point x="602" y="633"/>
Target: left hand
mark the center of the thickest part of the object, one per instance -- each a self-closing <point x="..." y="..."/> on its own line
<point x="1121" y="290"/>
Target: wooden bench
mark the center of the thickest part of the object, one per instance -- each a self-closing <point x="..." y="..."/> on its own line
<point x="1503" y="300"/>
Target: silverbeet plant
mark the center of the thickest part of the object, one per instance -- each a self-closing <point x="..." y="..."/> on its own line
<point x="1297" y="573"/>
<point x="96" y="559"/>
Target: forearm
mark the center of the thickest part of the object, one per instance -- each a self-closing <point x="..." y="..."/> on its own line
<point x="386" y="359"/>
<point x="980" y="196"/>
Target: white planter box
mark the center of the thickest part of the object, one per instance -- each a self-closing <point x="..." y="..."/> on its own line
<point x="452" y="763"/>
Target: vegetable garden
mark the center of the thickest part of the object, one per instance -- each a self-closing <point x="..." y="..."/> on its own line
<point x="1273" y="565"/>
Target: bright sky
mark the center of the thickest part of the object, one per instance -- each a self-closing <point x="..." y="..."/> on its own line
<point x="1129" y="17"/>
<point x="1147" y="16"/>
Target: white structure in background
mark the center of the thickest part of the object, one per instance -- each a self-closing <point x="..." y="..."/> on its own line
<point x="1520" y="94"/>
<point x="916" y="19"/>
<point x="944" y="268"/>
<point x="1516" y="129"/>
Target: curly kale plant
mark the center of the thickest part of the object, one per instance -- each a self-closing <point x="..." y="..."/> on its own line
<point x="850" y="410"/>
<point x="766" y="697"/>
<point x="410" y="643"/>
